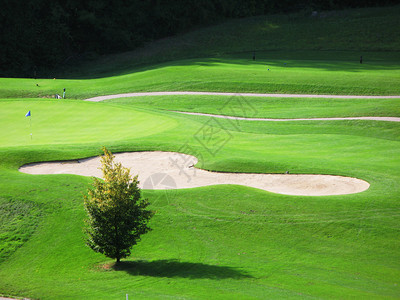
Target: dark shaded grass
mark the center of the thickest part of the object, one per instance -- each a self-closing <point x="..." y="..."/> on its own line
<point x="173" y="268"/>
<point x="290" y="36"/>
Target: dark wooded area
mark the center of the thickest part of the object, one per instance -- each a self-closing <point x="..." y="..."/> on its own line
<point x="40" y="35"/>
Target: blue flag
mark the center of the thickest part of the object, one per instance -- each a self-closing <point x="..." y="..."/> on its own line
<point x="28" y="114"/>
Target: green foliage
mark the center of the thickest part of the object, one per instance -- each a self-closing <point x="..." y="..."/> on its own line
<point x="117" y="215"/>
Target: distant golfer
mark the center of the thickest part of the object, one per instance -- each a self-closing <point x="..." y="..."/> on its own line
<point x="64" y="94"/>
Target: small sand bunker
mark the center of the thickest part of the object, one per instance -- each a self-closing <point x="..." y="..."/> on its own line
<point x="170" y="170"/>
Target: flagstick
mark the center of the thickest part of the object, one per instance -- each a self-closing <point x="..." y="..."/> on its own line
<point x="28" y="114"/>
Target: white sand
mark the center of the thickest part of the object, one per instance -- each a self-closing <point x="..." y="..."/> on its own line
<point x="169" y="170"/>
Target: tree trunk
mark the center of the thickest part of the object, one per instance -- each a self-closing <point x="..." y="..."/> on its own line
<point x="118" y="259"/>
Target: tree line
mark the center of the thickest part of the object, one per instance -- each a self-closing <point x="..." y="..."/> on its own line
<point x="38" y="35"/>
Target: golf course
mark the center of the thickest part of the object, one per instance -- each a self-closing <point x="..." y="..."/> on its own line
<point x="226" y="131"/>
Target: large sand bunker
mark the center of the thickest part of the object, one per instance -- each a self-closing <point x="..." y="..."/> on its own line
<point x="170" y="170"/>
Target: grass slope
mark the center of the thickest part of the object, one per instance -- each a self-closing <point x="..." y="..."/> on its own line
<point x="332" y="35"/>
<point x="18" y="219"/>
<point x="314" y="76"/>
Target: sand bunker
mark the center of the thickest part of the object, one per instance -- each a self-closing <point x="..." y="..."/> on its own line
<point x="170" y="170"/>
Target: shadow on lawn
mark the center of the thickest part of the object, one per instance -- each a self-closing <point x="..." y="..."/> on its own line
<point x="174" y="268"/>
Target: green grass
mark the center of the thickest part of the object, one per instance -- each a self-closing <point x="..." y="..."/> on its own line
<point x="74" y="121"/>
<point x="222" y="241"/>
<point x="254" y="245"/>
<point x="312" y="76"/>
<point x="18" y="219"/>
<point x="255" y="107"/>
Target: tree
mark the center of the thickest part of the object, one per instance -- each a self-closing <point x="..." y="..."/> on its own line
<point x="116" y="212"/>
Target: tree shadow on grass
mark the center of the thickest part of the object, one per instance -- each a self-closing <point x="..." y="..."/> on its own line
<point x="174" y="268"/>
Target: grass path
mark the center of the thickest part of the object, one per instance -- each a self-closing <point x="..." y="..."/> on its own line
<point x="126" y="95"/>
<point x="389" y="119"/>
<point x="237" y="118"/>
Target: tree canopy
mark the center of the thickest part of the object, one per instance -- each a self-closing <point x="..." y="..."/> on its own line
<point x="117" y="215"/>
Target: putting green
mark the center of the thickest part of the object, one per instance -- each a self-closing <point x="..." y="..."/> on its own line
<point x="63" y="122"/>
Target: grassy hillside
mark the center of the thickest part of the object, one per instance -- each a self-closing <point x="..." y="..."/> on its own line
<point x="333" y="35"/>
<point x="314" y="76"/>
<point x="295" y="53"/>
